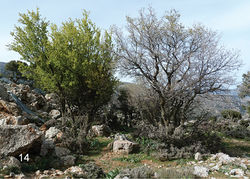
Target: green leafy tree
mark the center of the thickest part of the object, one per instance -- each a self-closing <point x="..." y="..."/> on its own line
<point x="73" y="61"/>
<point x="13" y="68"/>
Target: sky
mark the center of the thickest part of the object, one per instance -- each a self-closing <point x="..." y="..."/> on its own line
<point x="230" y="18"/>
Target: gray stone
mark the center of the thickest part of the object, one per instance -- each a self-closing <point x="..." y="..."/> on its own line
<point x="198" y="156"/>
<point x="68" y="160"/>
<point x="201" y="171"/>
<point x="237" y="172"/>
<point x="10" y="162"/>
<point x="61" y="151"/>
<point x="124" y="146"/>
<point x="55" y="114"/>
<point x="52" y="132"/>
<point x="18" y="139"/>
<point x="101" y="130"/>
<point x="224" y="158"/>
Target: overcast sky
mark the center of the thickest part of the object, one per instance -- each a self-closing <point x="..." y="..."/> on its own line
<point x="230" y="18"/>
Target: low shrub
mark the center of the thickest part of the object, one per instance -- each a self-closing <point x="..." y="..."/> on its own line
<point x="112" y="174"/>
<point x="10" y="169"/>
<point x="176" y="173"/>
<point x="231" y="114"/>
<point x="240" y="132"/>
<point x="43" y="163"/>
<point x="74" y="135"/>
<point x="138" y="172"/>
<point x="130" y="158"/>
<point x="186" y="146"/>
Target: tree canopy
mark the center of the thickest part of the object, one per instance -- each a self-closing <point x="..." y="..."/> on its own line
<point x="178" y="63"/>
<point x="244" y="88"/>
<point x="13" y="68"/>
<point x="74" y="60"/>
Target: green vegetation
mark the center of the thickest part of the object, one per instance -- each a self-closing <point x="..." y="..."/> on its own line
<point x="13" y="68"/>
<point x="231" y="114"/>
<point x="244" y="88"/>
<point x="74" y="61"/>
<point x="112" y="174"/>
<point x="133" y="158"/>
<point x="10" y="169"/>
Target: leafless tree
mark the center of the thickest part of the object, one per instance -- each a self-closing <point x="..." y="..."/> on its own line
<point x="177" y="62"/>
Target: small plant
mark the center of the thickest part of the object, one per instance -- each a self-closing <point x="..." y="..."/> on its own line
<point x="112" y="174"/>
<point x="147" y="144"/>
<point x="10" y="169"/>
<point x="231" y="114"/>
<point x="130" y="158"/>
<point x="175" y="173"/>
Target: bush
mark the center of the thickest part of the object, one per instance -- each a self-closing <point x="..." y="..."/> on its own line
<point x="138" y="172"/>
<point x="248" y="109"/>
<point x="10" y="169"/>
<point x="112" y="174"/>
<point x="240" y="132"/>
<point x="74" y="135"/>
<point x="189" y="144"/>
<point x="176" y="173"/>
<point x="231" y="114"/>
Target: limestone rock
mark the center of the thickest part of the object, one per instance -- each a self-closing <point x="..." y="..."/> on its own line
<point x="9" y="108"/>
<point x="61" y="151"/>
<point x="76" y="171"/>
<point x="125" y="146"/>
<point x="55" y="114"/>
<point x="198" y="156"/>
<point x="52" y="132"/>
<point x="201" y="171"/>
<point x="224" y="158"/>
<point x="237" y="172"/>
<point x="101" y="130"/>
<point x="18" y="139"/>
<point x="11" y="162"/>
<point x="68" y="160"/>
<point x="52" y="136"/>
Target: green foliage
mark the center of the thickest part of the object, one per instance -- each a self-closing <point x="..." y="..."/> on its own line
<point x="231" y="114"/>
<point x="10" y="169"/>
<point x="112" y="174"/>
<point x="244" y="88"/>
<point x="240" y="132"/>
<point x="147" y="144"/>
<point x="13" y="67"/>
<point x="248" y="109"/>
<point x="43" y="163"/>
<point x="74" y="61"/>
<point x="133" y="158"/>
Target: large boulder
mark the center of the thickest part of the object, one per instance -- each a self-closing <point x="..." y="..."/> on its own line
<point x="19" y="139"/>
<point x="125" y="146"/>
<point x="9" y="108"/>
<point x="201" y="171"/>
<point x="10" y="162"/>
<point x="52" y="136"/>
<point x="101" y="130"/>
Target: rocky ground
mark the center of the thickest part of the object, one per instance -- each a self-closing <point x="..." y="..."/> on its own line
<point x="27" y="146"/>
